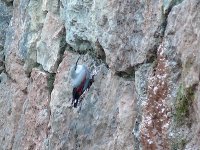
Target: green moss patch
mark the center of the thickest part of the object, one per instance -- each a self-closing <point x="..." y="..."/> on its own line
<point x="183" y="104"/>
<point x="178" y="144"/>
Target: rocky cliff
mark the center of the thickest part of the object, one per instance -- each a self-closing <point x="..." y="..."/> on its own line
<point x="146" y="94"/>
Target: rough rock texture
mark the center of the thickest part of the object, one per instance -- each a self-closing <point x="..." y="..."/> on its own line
<point x="146" y="91"/>
<point x="155" y="120"/>
<point x="5" y="16"/>
<point x="102" y="127"/>
<point x="182" y="36"/>
<point x="49" y="46"/>
<point x="33" y="124"/>
<point x="127" y="30"/>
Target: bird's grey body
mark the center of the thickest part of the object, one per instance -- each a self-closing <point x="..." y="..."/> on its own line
<point x="79" y="75"/>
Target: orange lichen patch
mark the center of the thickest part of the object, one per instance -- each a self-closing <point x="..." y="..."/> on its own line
<point x="155" y="120"/>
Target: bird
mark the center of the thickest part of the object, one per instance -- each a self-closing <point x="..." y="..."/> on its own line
<point x="81" y="81"/>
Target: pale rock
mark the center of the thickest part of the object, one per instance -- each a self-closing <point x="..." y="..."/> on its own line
<point x="3" y="77"/>
<point x="104" y="116"/>
<point x="11" y="102"/>
<point x="33" y="123"/>
<point x="142" y="75"/>
<point x="14" y="55"/>
<point x="182" y="37"/>
<point x="127" y="30"/>
<point x="49" y="46"/>
<point x="148" y="50"/>
<point x="5" y="16"/>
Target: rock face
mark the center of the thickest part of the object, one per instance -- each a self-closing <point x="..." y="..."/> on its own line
<point x="102" y="127"/>
<point x="146" y="91"/>
<point x="5" y="16"/>
<point x="128" y="29"/>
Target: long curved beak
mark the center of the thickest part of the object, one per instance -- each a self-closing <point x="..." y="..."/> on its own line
<point x="77" y="62"/>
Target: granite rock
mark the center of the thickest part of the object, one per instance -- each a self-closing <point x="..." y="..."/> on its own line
<point x="145" y="94"/>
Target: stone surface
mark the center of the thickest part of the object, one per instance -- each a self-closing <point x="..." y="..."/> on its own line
<point x="182" y="36"/>
<point x="33" y="123"/>
<point x="49" y="46"/>
<point x="11" y="109"/>
<point x="13" y="56"/>
<point x="127" y="30"/>
<point x="102" y="121"/>
<point x="155" y="119"/>
<point x="24" y="116"/>
<point x="5" y="16"/>
<point x="147" y="74"/>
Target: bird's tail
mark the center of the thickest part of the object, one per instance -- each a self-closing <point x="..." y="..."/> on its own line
<point x="75" y="98"/>
<point x="75" y="103"/>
